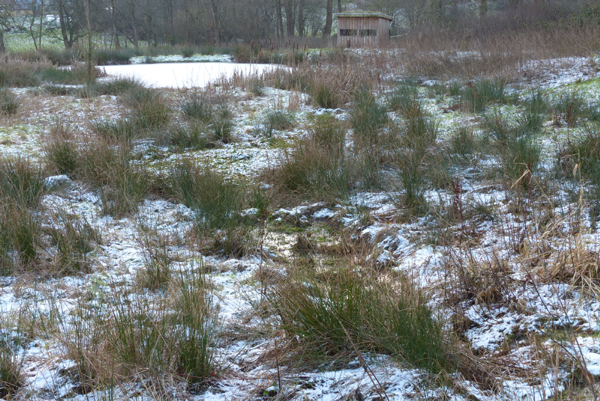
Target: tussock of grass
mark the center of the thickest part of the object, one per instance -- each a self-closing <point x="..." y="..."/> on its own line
<point x="570" y="109"/>
<point x="331" y="313"/>
<point x="198" y="108"/>
<point x="20" y="236"/>
<point x="21" y="182"/>
<point x="367" y="118"/>
<point x="216" y="117"/>
<point x="8" y="102"/>
<point x="463" y="142"/>
<point x="193" y="136"/>
<point x="11" y="365"/>
<point x="156" y="274"/>
<point x="403" y="96"/>
<point x="108" y="56"/>
<point x="582" y="157"/>
<point x="516" y="146"/>
<point x="118" y="87"/>
<point x="110" y="168"/>
<point x="318" y="167"/>
<point x="279" y="120"/>
<point x="128" y="336"/>
<point x="329" y="86"/>
<point x="417" y="135"/>
<point x="61" y="151"/>
<point x="476" y="96"/>
<point x="123" y="130"/>
<point x="218" y="204"/>
<point x="74" y="239"/>
<point x="150" y="108"/>
<point x="485" y="281"/>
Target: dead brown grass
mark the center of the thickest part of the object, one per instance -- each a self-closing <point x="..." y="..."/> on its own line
<point x="504" y="54"/>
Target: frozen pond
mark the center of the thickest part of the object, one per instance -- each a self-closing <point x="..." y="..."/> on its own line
<point x="184" y="75"/>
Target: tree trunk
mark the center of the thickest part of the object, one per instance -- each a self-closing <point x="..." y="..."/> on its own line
<point x="2" y="48"/>
<point x="483" y="8"/>
<point x="171" y="22"/>
<point x="63" y="26"/>
<point x="114" y="26"/>
<point x="216" y="21"/>
<point x="186" y="32"/>
<point x="328" y="19"/>
<point x="279" y="19"/>
<point x="90" y="76"/>
<point x="41" y="23"/>
<point x="133" y="25"/>
<point x="301" y="17"/>
<point x="289" y="17"/>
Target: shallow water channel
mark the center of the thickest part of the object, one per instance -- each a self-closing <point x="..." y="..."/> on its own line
<point x="184" y="75"/>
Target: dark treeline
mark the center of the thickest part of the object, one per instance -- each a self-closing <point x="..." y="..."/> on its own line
<point x="227" y="22"/>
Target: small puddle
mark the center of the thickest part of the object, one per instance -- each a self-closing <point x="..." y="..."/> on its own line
<point x="184" y="75"/>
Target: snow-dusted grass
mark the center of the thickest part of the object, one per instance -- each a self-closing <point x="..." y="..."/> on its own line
<point x="505" y="275"/>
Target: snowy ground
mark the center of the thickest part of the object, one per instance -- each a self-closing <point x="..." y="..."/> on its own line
<point x="500" y="331"/>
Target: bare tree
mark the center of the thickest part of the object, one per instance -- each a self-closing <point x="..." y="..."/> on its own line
<point x="289" y="17"/>
<point x="328" y="18"/>
<point x="113" y="20"/>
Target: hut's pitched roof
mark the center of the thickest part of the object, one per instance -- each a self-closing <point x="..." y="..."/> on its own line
<point x="363" y="14"/>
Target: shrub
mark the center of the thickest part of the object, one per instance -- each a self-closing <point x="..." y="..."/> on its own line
<point x="73" y="76"/>
<point x="20" y="73"/>
<point x="188" y="52"/>
<point x="59" y="90"/>
<point x="8" y="102"/>
<point x="333" y="313"/>
<point x="62" y="57"/>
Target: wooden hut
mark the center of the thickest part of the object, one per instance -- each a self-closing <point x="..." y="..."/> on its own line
<point x="363" y="29"/>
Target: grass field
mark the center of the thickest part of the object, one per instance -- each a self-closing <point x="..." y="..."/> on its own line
<point x="367" y="224"/>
